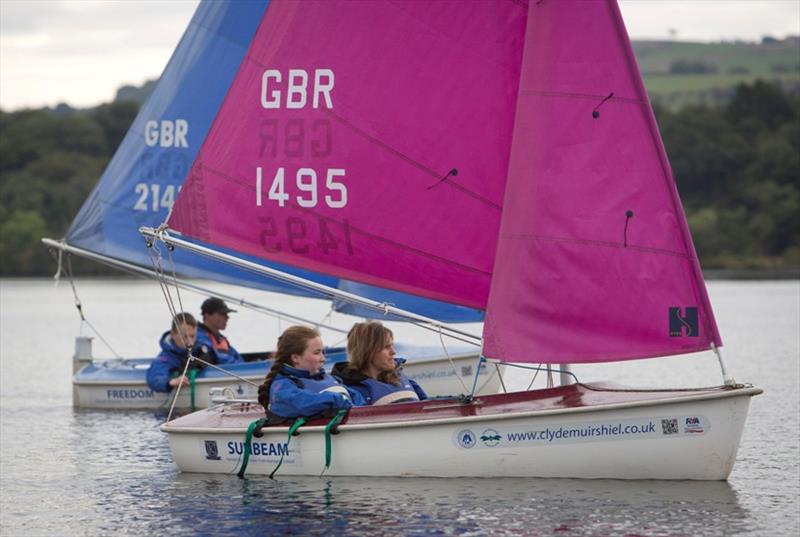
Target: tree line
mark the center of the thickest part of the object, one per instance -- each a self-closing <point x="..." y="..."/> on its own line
<point x="737" y="167"/>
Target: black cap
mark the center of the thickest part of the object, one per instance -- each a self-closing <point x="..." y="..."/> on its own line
<point x="214" y="305"/>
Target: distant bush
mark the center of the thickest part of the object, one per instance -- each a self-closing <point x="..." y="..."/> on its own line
<point x="690" y="67"/>
<point x="738" y="70"/>
<point x="781" y="69"/>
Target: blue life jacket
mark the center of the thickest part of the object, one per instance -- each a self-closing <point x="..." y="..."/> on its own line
<point x="219" y="346"/>
<point x="170" y="361"/>
<point x="375" y="392"/>
<point x="296" y="392"/>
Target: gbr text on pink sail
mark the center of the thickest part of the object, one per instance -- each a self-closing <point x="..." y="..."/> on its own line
<point x="296" y="139"/>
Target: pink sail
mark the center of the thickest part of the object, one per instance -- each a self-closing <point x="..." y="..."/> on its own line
<point x="366" y="140"/>
<point x="594" y="261"/>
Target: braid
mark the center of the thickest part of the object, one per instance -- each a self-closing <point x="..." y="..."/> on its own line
<point x="294" y="340"/>
<point x="263" y="390"/>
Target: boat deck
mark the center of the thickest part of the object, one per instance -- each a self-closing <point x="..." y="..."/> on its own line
<point x="558" y="399"/>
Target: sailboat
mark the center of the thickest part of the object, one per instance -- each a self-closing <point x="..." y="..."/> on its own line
<point x="500" y="156"/>
<point x="139" y="187"/>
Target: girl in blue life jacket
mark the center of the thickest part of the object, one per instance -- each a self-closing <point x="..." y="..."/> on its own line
<point x="372" y="369"/>
<point x="297" y="385"/>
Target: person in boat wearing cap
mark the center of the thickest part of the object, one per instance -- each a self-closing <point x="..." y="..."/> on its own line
<point x="372" y="368"/>
<point x="297" y="385"/>
<point x="166" y="371"/>
<point x="209" y="332"/>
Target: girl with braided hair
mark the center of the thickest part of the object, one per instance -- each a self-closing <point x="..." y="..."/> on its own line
<point x="297" y="385"/>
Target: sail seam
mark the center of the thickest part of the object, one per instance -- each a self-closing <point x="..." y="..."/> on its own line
<point x="245" y="184"/>
<point x="606" y="244"/>
<point x="582" y="96"/>
<point x="415" y="163"/>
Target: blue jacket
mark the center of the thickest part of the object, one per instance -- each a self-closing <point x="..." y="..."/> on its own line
<point x="217" y="345"/>
<point x="375" y="392"/>
<point x="171" y="360"/>
<point x="296" y="392"/>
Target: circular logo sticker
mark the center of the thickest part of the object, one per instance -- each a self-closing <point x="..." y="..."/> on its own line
<point x="466" y="438"/>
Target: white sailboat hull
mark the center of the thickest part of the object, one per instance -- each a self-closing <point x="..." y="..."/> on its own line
<point x="691" y="435"/>
<point x="129" y="390"/>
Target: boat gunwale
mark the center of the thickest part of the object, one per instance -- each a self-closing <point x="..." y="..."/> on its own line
<point x="257" y="376"/>
<point x="143" y="383"/>
<point x="720" y="392"/>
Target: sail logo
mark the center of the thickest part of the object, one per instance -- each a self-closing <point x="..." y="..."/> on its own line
<point x="466" y="439"/>
<point x="678" y="323"/>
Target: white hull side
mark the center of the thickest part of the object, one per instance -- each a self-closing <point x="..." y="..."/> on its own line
<point x="434" y="449"/>
<point x="437" y="376"/>
<point x="139" y="396"/>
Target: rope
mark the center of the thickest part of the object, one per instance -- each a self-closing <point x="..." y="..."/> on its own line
<point x="452" y="364"/>
<point x="533" y="379"/>
<point x="296" y="425"/>
<point x="192" y="375"/>
<point x="481" y="360"/>
<point x="155" y="259"/>
<point x="248" y="442"/>
<point x="500" y="376"/>
<point x="536" y="368"/>
<point x="336" y="420"/>
<point x="180" y="384"/>
<point x="79" y="307"/>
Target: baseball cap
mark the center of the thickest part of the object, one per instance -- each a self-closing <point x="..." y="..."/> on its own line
<point x="214" y="305"/>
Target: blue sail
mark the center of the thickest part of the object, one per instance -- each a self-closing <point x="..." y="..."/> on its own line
<point x="146" y="173"/>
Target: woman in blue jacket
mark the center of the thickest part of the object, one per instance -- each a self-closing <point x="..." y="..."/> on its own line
<point x="372" y="369"/>
<point x="296" y="385"/>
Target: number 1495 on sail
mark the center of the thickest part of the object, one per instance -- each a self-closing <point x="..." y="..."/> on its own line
<point x="307" y="187"/>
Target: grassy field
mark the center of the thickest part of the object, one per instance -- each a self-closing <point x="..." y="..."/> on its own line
<point x="724" y="66"/>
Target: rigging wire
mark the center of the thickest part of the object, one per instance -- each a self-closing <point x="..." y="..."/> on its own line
<point x="79" y="306"/>
<point x="452" y="364"/>
<point x="155" y="258"/>
<point x="63" y="247"/>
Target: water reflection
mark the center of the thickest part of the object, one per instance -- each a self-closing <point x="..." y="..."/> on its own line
<point x="356" y="506"/>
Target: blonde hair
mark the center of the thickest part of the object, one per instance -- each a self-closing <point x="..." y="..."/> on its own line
<point x="183" y="318"/>
<point x="294" y="340"/>
<point x="364" y="341"/>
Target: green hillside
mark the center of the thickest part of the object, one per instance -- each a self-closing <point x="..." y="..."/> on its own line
<point x="682" y="73"/>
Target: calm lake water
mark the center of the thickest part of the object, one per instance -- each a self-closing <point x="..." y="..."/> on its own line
<point x="76" y="472"/>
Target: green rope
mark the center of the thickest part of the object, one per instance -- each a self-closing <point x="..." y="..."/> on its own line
<point x="331" y="424"/>
<point x="248" y="441"/>
<point x="192" y="373"/>
<point x="296" y="425"/>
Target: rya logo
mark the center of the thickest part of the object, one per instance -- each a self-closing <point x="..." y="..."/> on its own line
<point x="680" y="323"/>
